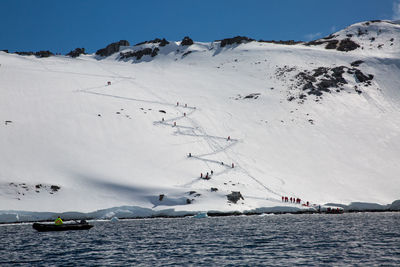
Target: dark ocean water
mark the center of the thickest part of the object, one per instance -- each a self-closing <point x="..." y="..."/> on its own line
<point x="362" y="239"/>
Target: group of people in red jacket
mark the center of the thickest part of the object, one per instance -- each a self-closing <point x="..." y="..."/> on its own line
<point x="293" y="200"/>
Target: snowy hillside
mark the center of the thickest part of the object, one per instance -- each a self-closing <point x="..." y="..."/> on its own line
<point x="305" y="121"/>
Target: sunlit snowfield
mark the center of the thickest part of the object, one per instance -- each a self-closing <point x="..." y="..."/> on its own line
<point x="301" y="121"/>
<point x="367" y="239"/>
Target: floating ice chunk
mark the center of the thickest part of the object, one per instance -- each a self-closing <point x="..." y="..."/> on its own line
<point x="201" y="215"/>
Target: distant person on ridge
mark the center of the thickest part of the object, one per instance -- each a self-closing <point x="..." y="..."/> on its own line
<point x="58" y="221"/>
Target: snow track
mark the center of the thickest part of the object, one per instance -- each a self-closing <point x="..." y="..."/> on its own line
<point x="217" y="144"/>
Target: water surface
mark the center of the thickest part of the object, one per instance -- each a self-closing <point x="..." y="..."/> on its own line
<point x="363" y="239"/>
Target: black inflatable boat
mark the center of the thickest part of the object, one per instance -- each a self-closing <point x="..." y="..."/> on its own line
<point x="43" y="227"/>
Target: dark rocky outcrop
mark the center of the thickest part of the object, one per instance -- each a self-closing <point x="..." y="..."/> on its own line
<point x="332" y="44"/>
<point x="4" y="50"/>
<point x="37" y="54"/>
<point x="154" y="52"/>
<point x="234" y="197"/>
<point x="305" y="76"/>
<point x="253" y="95"/>
<point x="186" y="41"/>
<point x="331" y="36"/>
<point x="161" y="42"/>
<point x="111" y="48"/>
<point x="25" y="53"/>
<point x="361" y="32"/>
<point x="333" y="79"/>
<point x="356" y="63"/>
<point x="55" y="188"/>
<point x="319" y="71"/>
<point x="337" y="73"/>
<point x="140" y="53"/>
<point x="46" y="53"/>
<point x="328" y="78"/>
<point x="361" y="77"/>
<point x="344" y="45"/>
<point x="235" y="40"/>
<point x="76" y="52"/>
<point x="347" y="45"/>
<point x="288" y="42"/>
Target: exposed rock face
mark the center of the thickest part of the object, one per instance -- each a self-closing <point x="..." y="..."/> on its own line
<point x="316" y="82"/>
<point x="361" y="77"/>
<point x="323" y="79"/>
<point x="347" y="45"/>
<point x="356" y="63"/>
<point x="186" y="41"/>
<point x="4" y="50"/>
<point x="161" y="42"/>
<point x="76" y="52"/>
<point x="111" y="48"/>
<point x="23" y="190"/>
<point x="288" y="42"/>
<point x="234" y="197"/>
<point x="38" y="54"/>
<point x="140" y="53"/>
<point x="360" y="36"/>
<point x="154" y="52"/>
<point x="330" y="80"/>
<point x="332" y="44"/>
<point x="249" y="96"/>
<point x="25" y="53"/>
<point x="235" y="40"/>
<point x="253" y="96"/>
<point x="343" y="45"/>
<point x="44" y="54"/>
<point x="55" y="188"/>
<point x="331" y="36"/>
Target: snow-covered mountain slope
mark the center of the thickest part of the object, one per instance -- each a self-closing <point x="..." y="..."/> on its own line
<point x="305" y="122"/>
<point x="370" y="38"/>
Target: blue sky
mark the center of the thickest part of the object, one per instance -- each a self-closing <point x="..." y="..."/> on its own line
<point x="60" y="26"/>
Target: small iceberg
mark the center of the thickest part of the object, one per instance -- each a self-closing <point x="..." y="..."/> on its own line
<point x="114" y="219"/>
<point x="201" y="215"/>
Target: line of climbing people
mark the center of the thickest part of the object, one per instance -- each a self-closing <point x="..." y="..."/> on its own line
<point x="207" y="175"/>
<point x="294" y="200"/>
